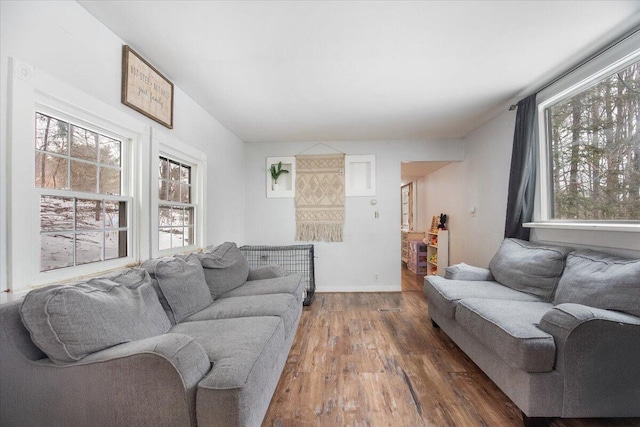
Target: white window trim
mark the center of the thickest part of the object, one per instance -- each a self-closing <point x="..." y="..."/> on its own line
<point x="350" y="175"/>
<point x="33" y="90"/>
<point x="617" y="57"/>
<point x="288" y="163"/>
<point x="163" y="144"/>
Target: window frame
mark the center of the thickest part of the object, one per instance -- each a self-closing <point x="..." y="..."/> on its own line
<point x="34" y="91"/>
<point x="607" y="62"/>
<point x="126" y="190"/>
<point x="164" y="145"/>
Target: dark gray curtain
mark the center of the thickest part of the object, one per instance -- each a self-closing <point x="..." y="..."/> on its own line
<point x="522" y="178"/>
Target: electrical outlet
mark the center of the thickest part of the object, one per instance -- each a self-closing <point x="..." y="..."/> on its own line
<point x="376" y="278"/>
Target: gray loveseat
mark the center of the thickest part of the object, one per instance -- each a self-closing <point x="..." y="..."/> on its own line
<point x="557" y="330"/>
<point x="183" y="341"/>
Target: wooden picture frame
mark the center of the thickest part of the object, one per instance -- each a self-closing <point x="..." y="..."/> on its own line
<point x="145" y="89"/>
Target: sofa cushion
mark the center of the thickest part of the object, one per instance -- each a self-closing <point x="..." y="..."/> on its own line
<point x="234" y="346"/>
<point x="284" y="306"/>
<point x="266" y="272"/>
<point x="70" y="322"/>
<point x="225" y="268"/>
<point x="291" y="284"/>
<point x="182" y="284"/>
<point x="601" y="281"/>
<point x="529" y="267"/>
<point x="444" y="294"/>
<point x="509" y="329"/>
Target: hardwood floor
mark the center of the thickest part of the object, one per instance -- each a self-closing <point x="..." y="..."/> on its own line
<point x="373" y="359"/>
<point x="411" y="281"/>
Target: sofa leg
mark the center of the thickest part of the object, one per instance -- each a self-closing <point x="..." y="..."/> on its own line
<point x="534" y="421"/>
<point x="434" y="324"/>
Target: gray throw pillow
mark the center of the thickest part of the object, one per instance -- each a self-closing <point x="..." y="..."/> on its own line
<point x="225" y="268"/>
<point x="601" y="281"/>
<point x="70" y="322"/>
<point x="182" y="284"/>
<point x="530" y="267"/>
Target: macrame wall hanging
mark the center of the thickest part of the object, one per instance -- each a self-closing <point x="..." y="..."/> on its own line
<point x="319" y="197"/>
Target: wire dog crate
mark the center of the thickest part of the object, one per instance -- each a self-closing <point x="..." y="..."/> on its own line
<point x="293" y="259"/>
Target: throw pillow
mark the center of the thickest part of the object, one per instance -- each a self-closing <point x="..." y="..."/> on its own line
<point x="70" y="322"/>
<point x="225" y="268"/>
<point x="534" y="268"/>
<point x="601" y="281"/>
<point x="182" y="284"/>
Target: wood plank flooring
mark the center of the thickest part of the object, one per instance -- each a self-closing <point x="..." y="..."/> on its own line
<point x="373" y="359"/>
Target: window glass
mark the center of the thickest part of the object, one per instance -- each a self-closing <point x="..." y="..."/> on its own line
<point x="595" y="150"/>
<point x="80" y="226"/>
<point x="175" y="210"/>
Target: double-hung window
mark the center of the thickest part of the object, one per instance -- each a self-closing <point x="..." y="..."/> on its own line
<point x="79" y="177"/>
<point x="74" y="172"/>
<point x="178" y="175"/>
<point x="176" y="210"/>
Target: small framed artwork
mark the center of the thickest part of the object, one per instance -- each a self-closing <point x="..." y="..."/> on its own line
<point x="281" y="177"/>
<point x="146" y="90"/>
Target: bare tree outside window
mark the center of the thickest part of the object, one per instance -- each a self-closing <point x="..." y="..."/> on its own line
<point x="175" y="211"/>
<point x="81" y="226"/>
<point x="595" y="150"/>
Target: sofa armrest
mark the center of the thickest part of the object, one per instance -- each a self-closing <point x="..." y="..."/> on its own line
<point x="146" y="382"/>
<point x="184" y="353"/>
<point x="267" y="272"/>
<point x="562" y="319"/>
<point x="464" y="271"/>
<point x="598" y="353"/>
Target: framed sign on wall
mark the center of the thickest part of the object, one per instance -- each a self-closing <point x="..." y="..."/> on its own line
<point x="145" y="89"/>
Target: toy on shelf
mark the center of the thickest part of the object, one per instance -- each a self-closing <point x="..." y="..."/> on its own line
<point x="434" y="224"/>
<point x="443" y="222"/>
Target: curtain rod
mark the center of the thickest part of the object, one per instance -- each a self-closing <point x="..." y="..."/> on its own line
<point x="585" y="61"/>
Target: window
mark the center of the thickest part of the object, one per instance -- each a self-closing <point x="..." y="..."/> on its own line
<point x="176" y="222"/>
<point x="406" y="205"/>
<point x="83" y="215"/>
<point x="593" y="143"/>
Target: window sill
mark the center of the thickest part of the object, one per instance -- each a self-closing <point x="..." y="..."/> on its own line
<point x="590" y="226"/>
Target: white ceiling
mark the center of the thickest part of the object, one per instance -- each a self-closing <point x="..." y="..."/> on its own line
<point x="328" y="71"/>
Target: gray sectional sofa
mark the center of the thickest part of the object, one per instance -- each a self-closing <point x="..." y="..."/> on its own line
<point x="183" y="341"/>
<point x="557" y="330"/>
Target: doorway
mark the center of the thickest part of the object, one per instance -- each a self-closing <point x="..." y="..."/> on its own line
<point x="414" y="221"/>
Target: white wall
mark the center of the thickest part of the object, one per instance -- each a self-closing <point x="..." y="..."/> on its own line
<point x="481" y="180"/>
<point x="63" y="40"/>
<point x="371" y="246"/>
